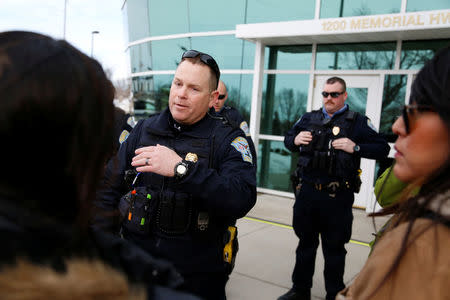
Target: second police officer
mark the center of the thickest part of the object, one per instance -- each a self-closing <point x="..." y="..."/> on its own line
<point x="331" y="142"/>
<point x="195" y="177"/>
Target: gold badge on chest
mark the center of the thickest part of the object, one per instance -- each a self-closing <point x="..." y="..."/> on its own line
<point x="336" y="130"/>
<point x="191" y="157"/>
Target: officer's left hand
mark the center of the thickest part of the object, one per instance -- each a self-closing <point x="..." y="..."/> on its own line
<point x="157" y="159"/>
<point x="344" y="144"/>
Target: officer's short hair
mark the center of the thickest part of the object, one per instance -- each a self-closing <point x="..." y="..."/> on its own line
<point x="332" y="80"/>
<point x="213" y="80"/>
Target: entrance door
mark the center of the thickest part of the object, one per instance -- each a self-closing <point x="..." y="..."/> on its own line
<point x="365" y="97"/>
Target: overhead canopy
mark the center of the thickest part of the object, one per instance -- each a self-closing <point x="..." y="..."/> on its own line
<point x="373" y="28"/>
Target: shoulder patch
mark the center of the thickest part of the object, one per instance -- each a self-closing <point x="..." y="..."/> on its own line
<point x="123" y="136"/>
<point x="131" y="121"/>
<point x="244" y="127"/>
<point x="369" y="123"/>
<point x="241" y="145"/>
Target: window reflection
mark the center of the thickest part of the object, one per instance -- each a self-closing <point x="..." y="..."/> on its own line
<point x="138" y="20"/>
<point x="283" y="102"/>
<point x="416" y="53"/>
<point x="420" y="5"/>
<point x="393" y="100"/>
<point x="228" y="51"/>
<point x="239" y="87"/>
<point x="288" y="57"/>
<point x="141" y="58"/>
<point x="351" y="8"/>
<point x="272" y="11"/>
<point x="275" y="164"/>
<point x="367" y="56"/>
<point x="151" y="94"/>
<point x="161" y="11"/>
<point x="357" y="99"/>
<point x="207" y="15"/>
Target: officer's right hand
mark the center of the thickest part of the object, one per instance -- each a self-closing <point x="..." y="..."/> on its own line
<point x="303" y="138"/>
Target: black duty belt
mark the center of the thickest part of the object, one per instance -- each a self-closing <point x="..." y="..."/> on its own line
<point x="330" y="187"/>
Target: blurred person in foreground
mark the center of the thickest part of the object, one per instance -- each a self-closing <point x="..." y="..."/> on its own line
<point x="411" y="259"/>
<point x="184" y="176"/>
<point x="56" y="124"/>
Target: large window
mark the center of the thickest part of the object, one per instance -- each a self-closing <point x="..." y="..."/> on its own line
<point x="239" y="88"/>
<point x="229" y="52"/>
<point x="137" y="17"/>
<point x="420" y="5"/>
<point x="393" y="100"/>
<point x="288" y="57"/>
<point x="259" y="11"/>
<point x="207" y="15"/>
<point x="351" y="8"/>
<point x="275" y="164"/>
<point x="151" y="94"/>
<point x="416" y="53"/>
<point x="284" y="102"/>
<point x="367" y="56"/>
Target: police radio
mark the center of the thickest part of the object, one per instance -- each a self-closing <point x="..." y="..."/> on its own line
<point x="137" y="208"/>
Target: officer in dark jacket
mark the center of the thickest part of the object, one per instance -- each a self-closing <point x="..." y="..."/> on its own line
<point x="195" y="177"/>
<point x="231" y="113"/>
<point x="123" y="124"/>
<point x="331" y="142"/>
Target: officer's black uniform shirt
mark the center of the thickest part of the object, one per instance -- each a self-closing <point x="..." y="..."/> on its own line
<point x="372" y="145"/>
<point x="222" y="183"/>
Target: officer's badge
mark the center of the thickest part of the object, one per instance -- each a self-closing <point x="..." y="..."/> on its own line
<point x="336" y="130"/>
<point x="369" y="123"/>
<point x="123" y="136"/>
<point x="191" y="157"/>
<point x="241" y="145"/>
<point x="244" y="127"/>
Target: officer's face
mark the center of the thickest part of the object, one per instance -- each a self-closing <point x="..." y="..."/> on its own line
<point x="331" y="104"/>
<point x="190" y="96"/>
<point x="424" y="149"/>
<point x="223" y="95"/>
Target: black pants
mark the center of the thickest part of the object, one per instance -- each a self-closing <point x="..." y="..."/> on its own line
<point x="315" y="212"/>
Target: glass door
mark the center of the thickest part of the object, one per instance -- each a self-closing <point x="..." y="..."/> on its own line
<point x="365" y="97"/>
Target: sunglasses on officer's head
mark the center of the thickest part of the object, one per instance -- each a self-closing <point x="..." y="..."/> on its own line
<point x="409" y="114"/>
<point x="332" y="94"/>
<point x="204" y="58"/>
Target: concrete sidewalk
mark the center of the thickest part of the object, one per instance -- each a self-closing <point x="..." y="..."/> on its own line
<point x="267" y="251"/>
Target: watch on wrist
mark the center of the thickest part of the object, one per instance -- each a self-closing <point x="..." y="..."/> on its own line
<point x="181" y="169"/>
<point x="356" y="148"/>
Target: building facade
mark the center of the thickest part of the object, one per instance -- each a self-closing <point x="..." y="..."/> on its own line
<point x="275" y="56"/>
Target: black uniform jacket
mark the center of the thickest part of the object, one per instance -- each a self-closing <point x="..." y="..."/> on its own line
<point x="221" y="183"/>
<point x="359" y="130"/>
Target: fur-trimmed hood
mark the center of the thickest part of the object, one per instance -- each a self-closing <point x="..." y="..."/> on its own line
<point x="83" y="279"/>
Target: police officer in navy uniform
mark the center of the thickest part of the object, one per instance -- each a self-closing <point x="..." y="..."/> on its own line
<point x="331" y="142"/>
<point x="195" y="177"/>
<point x="231" y="113"/>
<point x="123" y="124"/>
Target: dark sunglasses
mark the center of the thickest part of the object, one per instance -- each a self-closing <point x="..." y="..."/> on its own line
<point x="204" y="58"/>
<point x="411" y="110"/>
<point x="221" y="97"/>
<point x="332" y="94"/>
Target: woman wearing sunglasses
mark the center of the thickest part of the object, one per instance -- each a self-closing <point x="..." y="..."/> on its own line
<point x="411" y="260"/>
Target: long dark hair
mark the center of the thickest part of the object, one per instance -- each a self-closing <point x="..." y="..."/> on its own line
<point x="431" y="87"/>
<point x="56" y="125"/>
